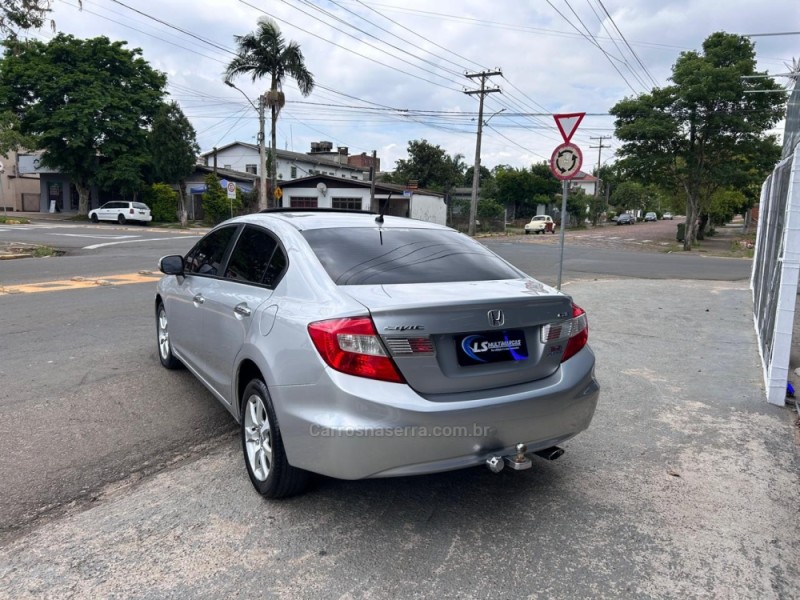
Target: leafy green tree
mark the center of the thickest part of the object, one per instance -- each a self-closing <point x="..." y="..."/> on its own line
<point x="163" y="202"/>
<point x="16" y="15"/>
<point x="86" y="103"/>
<point x="629" y="195"/>
<point x="216" y="205"/>
<point x="694" y="134"/>
<point x="265" y="53"/>
<point x="173" y="150"/>
<point x="430" y="166"/>
<point x="525" y="188"/>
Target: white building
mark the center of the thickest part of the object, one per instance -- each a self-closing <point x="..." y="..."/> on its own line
<point x="243" y="157"/>
<point x="328" y="191"/>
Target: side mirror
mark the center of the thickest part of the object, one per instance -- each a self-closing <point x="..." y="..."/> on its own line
<point x="171" y="265"/>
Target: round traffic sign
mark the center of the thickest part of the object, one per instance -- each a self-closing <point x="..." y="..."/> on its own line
<point x="566" y="161"/>
<point x="231" y="187"/>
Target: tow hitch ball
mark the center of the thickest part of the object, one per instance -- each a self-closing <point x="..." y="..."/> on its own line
<point x="520" y="461"/>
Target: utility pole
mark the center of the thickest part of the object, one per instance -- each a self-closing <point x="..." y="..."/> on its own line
<point x="372" y="181"/>
<point x="476" y="174"/>
<point x="262" y="157"/>
<point x="599" y="147"/>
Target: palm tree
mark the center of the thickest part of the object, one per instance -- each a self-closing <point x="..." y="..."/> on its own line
<point x="265" y="52"/>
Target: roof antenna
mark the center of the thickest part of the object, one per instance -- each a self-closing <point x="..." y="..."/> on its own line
<point x="379" y="218"/>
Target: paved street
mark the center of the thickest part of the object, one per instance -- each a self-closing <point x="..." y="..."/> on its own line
<point x="129" y="479"/>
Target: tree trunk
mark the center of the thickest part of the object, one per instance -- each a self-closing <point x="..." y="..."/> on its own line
<point x="273" y="160"/>
<point x="83" y="199"/>
<point x="701" y="227"/>
<point x="689" y="228"/>
<point x="182" y="203"/>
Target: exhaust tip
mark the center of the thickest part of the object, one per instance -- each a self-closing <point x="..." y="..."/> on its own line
<point x="551" y="453"/>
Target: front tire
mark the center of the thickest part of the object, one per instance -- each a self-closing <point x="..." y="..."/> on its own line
<point x="94" y="218"/>
<point x="168" y="360"/>
<point x="262" y="446"/>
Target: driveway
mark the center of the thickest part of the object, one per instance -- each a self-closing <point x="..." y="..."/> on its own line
<point x="683" y="487"/>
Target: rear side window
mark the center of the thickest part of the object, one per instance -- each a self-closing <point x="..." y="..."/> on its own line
<point x="251" y="256"/>
<point x="207" y="256"/>
<point x="139" y="205"/>
<point x="366" y="256"/>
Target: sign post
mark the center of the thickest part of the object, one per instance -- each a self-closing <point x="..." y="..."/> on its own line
<point x="565" y="162"/>
<point x="230" y="186"/>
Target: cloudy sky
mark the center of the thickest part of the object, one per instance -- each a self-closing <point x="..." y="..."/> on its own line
<point x="392" y="71"/>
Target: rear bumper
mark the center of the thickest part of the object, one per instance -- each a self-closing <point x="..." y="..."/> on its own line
<point x="354" y="428"/>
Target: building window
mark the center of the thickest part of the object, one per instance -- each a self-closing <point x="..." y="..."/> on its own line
<point x="251" y="169"/>
<point x="347" y="203"/>
<point x="226" y="166"/>
<point x="353" y="176"/>
<point x="294" y="173"/>
<point x="303" y="202"/>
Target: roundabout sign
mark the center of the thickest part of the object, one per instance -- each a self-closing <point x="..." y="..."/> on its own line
<point x="566" y="161"/>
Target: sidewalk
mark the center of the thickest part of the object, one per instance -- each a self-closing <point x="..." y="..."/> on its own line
<point x="684" y="486"/>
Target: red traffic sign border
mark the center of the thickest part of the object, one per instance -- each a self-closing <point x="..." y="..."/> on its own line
<point x="554" y="157"/>
<point x="564" y="134"/>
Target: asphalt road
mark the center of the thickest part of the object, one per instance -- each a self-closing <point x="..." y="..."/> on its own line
<point x="84" y="401"/>
<point x="85" y="408"/>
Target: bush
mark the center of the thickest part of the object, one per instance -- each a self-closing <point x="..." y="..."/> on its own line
<point x="163" y="202"/>
<point x="489" y="209"/>
<point x="681" y="232"/>
<point x="216" y="206"/>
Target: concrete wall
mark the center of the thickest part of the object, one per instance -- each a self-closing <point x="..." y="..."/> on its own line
<point x="14" y="184"/>
<point x="428" y="208"/>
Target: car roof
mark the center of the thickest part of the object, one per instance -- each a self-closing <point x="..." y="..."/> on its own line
<point x="303" y="220"/>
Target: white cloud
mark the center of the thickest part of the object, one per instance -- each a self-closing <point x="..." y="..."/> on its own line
<point x="545" y="63"/>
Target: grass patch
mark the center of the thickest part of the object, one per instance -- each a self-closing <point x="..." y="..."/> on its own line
<point x="77" y="218"/>
<point x="14" y="220"/>
<point x="42" y="251"/>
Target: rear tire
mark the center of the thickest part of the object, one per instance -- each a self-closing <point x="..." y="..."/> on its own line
<point x="121" y="219"/>
<point x="262" y="446"/>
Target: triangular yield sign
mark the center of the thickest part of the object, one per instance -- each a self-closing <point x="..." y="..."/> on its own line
<point x="568" y="123"/>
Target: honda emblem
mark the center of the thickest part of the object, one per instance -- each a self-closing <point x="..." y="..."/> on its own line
<point x="496" y="318"/>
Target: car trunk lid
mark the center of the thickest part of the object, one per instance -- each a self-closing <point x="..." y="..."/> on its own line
<point x="467" y="336"/>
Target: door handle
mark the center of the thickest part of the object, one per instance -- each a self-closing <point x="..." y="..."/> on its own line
<point x="242" y="309"/>
<point x="198" y="298"/>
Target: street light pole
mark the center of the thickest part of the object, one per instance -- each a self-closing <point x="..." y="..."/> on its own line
<point x="262" y="152"/>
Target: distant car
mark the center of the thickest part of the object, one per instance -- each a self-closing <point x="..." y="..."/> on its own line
<point x="651" y="216"/>
<point x="626" y="219"/>
<point x="541" y="224"/>
<point x="667" y="216"/>
<point x="122" y="212"/>
<point x="358" y="346"/>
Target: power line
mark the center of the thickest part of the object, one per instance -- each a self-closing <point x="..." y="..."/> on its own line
<point x="346" y="49"/>
<point x="636" y="56"/>
<point x="420" y="36"/>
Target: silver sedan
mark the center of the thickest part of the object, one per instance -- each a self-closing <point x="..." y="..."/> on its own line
<point x="355" y="346"/>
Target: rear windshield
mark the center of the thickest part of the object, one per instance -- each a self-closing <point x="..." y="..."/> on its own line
<point x="139" y="205"/>
<point x="366" y="256"/>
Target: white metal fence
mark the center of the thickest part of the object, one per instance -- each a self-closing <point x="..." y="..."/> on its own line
<point x="776" y="265"/>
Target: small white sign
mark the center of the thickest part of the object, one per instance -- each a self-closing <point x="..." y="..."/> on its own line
<point x="231" y="190"/>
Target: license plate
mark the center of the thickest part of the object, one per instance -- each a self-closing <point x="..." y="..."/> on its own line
<point x="491" y="347"/>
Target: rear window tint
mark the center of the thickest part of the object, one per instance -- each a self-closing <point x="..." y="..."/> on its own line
<point x="139" y="205"/>
<point x="366" y="256"/>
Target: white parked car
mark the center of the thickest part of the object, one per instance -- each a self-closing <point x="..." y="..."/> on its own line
<point x="541" y="224"/>
<point x="121" y="212"/>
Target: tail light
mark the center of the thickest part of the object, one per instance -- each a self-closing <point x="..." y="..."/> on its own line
<point x="576" y="329"/>
<point x="352" y="346"/>
<point x="131" y="211"/>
